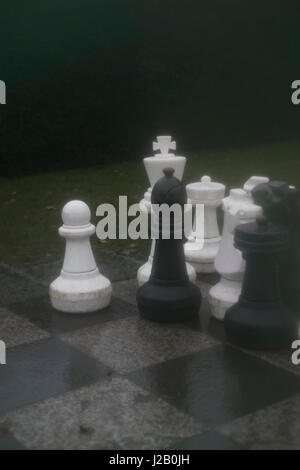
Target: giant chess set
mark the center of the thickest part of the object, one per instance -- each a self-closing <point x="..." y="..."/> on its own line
<point x="185" y="354"/>
<point x="257" y="291"/>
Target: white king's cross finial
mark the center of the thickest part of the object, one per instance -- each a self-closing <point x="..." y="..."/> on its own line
<point x="164" y="144"/>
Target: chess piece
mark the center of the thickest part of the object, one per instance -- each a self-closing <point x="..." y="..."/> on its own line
<point x="238" y="208"/>
<point x="202" y="248"/>
<point x="169" y="295"/>
<point x="154" y="166"/>
<point x="281" y="206"/>
<point x="259" y="320"/>
<point x="80" y="288"/>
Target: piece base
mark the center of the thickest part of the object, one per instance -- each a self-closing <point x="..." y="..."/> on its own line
<point x="259" y="326"/>
<point x="202" y="256"/>
<point x="168" y="303"/>
<point x="79" y="294"/>
<point x="222" y="296"/>
<point x="203" y="267"/>
<point x="80" y="306"/>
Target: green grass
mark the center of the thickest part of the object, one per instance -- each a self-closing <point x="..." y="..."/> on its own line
<point x="30" y="206"/>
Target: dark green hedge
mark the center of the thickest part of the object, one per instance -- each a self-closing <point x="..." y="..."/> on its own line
<point x="91" y="80"/>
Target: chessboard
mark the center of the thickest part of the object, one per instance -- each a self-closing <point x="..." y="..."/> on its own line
<point x="111" y="380"/>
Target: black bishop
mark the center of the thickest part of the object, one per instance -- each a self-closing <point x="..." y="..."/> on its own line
<point x="169" y="295"/>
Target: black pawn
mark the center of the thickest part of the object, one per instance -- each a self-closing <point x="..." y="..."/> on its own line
<point x="169" y="296"/>
<point x="281" y="206"/>
<point x="259" y="320"/>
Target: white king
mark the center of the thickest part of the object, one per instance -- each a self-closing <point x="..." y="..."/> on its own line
<point x="154" y="166"/>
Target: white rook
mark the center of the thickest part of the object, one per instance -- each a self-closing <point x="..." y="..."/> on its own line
<point x="202" y="247"/>
<point x="154" y="166"/>
<point x="80" y="288"/>
<point x="238" y="208"/>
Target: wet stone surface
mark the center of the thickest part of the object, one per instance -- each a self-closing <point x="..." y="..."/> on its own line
<point x="111" y="380"/>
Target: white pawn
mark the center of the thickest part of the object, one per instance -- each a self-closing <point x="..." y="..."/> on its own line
<point x="80" y="288"/>
<point x="154" y="166"/>
<point x="238" y="208"/>
<point x="202" y="247"/>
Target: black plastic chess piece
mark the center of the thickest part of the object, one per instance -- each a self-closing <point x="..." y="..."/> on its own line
<point x="259" y="320"/>
<point x="277" y="199"/>
<point x="281" y="206"/>
<point x="169" y="296"/>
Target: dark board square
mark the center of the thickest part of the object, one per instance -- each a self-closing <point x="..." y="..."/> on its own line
<point x="43" y="369"/>
<point x="218" y="384"/>
<point x="42" y="314"/>
<point x="8" y="442"/>
<point x="210" y="440"/>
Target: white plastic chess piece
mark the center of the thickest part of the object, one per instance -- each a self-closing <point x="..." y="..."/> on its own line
<point x="238" y="208"/>
<point x="80" y="288"/>
<point x="202" y="248"/>
<point x="154" y="166"/>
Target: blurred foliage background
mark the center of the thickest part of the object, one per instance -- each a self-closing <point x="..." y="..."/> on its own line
<point x="89" y="81"/>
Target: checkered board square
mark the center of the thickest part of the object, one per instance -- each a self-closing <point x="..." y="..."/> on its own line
<point x="111" y="380"/>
